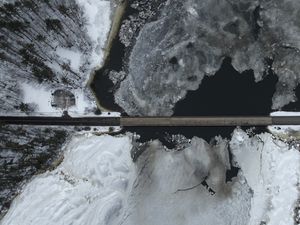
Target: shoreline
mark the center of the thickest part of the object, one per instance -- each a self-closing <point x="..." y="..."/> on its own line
<point x="114" y="30"/>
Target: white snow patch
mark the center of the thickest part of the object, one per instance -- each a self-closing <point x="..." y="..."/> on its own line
<point x="41" y="97"/>
<point x="285" y="113"/>
<point x="89" y="187"/>
<point x="111" y="114"/>
<point x="98" y="14"/>
<point x="73" y="56"/>
<point x="82" y="103"/>
<point x="271" y="169"/>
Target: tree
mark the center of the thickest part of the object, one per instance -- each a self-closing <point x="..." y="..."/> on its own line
<point x="40" y="37"/>
<point x="43" y="73"/>
<point x="53" y="24"/>
<point x="9" y="7"/>
<point x="26" y="53"/>
<point x="63" y="9"/>
<point x="29" y="4"/>
<point x="15" y="25"/>
<point x="25" y="107"/>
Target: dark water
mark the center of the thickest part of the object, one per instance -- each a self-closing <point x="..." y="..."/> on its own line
<point x="229" y="93"/>
<point x="102" y="86"/>
<point x="233" y="172"/>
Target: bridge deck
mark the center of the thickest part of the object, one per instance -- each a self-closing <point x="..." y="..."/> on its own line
<point x="154" y="121"/>
<point x="195" y="121"/>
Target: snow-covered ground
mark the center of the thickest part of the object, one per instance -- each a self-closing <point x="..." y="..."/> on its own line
<point x="98" y="183"/>
<point x="97" y="14"/>
<point x="40" y="97"/>
<point x="61" y="59"/>
<point x="91" y="186"/>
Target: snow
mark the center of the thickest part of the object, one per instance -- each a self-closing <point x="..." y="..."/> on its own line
<point x="98" y="183"/>
<point x="82" y="104"/>
<point x="73" y="56"/>
<point x="98" y="15"/>
<point x="271" y="169"/>
<point x="40" y="96"/>
<point x="89" y="187"/>
<point x="71" y="59"/>
<point x="285" y="113"/>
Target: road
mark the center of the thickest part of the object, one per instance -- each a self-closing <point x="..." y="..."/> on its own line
<point x="61" y="121"/>
<point x="153" y="121"/>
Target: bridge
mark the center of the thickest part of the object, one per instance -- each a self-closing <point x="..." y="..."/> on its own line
<point x="199" y="121"/>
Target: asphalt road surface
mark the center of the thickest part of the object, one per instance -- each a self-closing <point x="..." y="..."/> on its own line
<point x="153" y="121"/>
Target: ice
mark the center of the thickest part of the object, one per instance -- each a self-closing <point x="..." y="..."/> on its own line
<point x="271" y="168"/>
<point x="190" y="39"/>
<point x="168" y="188"/>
